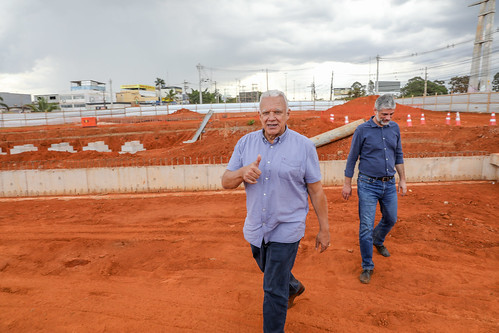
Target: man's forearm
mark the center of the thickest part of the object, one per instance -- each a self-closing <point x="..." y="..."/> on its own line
<point x="232" y="179"/>
<point x="401" y="171"/>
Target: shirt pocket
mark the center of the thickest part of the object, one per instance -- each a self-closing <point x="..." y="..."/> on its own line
<point x="290" y="170"/>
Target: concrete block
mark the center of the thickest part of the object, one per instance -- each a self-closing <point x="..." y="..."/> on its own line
<point x="63" y="147"/>
<point x="99" y="146"/>
<point x="132" y="147"/>
<point x="23" y="149"/>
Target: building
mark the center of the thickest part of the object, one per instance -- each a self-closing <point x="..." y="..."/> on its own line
<point x="51" y="98"/>
<point x="165" y="92"/>
<point x="85" y="94"/>
<point x="15" y="101"/>
<point x="137" y="94"/>
<point x="341" y="93"/>
<point x="249" y="96"/>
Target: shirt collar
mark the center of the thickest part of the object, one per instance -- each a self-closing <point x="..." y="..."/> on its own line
<point x="279" y="139"/>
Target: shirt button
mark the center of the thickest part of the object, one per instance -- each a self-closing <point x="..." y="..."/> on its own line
<point x="266" y="178"/>
<point x="268" y="162"/>
<point x="264" y="209"/>
<point x="263" y="224"/>
<point x="383" y="138"/>
<point x="387" y="159"/>
<point x="264" y="194"/>
<point x="271" y="147"/>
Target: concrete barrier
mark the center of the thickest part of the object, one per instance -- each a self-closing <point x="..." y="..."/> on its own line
<point x="202" y="177"/>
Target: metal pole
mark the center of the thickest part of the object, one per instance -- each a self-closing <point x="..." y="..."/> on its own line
<point x="200" y="92"/>
<point x="377" y="74"/>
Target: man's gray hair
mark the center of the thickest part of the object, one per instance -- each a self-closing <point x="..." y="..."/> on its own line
<point x="274" y="93"/>
<point x="385" y="102"/>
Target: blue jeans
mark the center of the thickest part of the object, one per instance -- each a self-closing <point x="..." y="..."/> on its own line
<point x="370" y="192"/>
<point x="276" y="261"/>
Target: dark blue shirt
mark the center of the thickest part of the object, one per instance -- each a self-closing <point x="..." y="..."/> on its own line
<point x="379" y="149"/>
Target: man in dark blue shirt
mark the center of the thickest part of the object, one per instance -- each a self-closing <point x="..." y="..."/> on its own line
<point x="377" y="145"/>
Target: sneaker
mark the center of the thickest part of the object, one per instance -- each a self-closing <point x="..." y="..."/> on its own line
<point x="365" y="276"/>
<point x="382" y="250"/>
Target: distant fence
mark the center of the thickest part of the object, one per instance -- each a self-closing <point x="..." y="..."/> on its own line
<point x="486" y="102"/>
<point x="117" y="112"/>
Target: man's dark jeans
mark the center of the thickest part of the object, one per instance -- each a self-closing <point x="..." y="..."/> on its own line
<point x="276" y="261"/>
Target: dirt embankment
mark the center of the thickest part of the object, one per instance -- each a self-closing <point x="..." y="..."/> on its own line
<point x="163" y="137"/>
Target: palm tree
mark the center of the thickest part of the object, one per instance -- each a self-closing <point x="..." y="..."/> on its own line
<point x="3" y="105"/>
<point x="41" y="105"/>
<point x="170" y="97"/>
<point x="159" y="83"/>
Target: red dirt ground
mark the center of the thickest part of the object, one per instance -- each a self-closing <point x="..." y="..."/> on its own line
<point x="177" y="262"/>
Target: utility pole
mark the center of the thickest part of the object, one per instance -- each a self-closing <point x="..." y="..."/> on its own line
<point x="267" y="74"/>
<point x="481" y="80"/>
<point x="200" y="91"/>
<point x="331" y="88"/>
<point x="111" y="91"/>
<point x="377" y="75"/>
<point x="425" y="81"/>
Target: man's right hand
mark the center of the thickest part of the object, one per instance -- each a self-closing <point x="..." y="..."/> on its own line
<point x="251" y="172"/>
<point x="347" y="191"/>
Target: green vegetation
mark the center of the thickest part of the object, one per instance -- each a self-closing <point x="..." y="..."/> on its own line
<point x="41" y="105"/>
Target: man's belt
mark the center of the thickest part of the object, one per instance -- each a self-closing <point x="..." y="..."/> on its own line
<point x="383" y="179"/>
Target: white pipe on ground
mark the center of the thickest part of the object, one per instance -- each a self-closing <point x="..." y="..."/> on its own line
<point x="336" y="134"/>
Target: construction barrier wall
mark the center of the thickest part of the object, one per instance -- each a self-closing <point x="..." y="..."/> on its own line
<point x="202" y="177"/>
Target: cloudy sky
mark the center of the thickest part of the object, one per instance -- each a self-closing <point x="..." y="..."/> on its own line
<point x="240" y="45"/>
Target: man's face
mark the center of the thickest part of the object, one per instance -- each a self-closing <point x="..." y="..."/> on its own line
<point x="273" y="115"/>
<point x="384" y="116"/>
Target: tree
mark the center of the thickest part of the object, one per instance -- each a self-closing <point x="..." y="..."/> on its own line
<point x="459" y="84"/>
<point x="3" y="105"/>
<point x="370" y="87"/>
<point x="495" y="82"/>
<point x="159" y="83"/>
<point x="41" y="105"/>
<point x="208" y="98"/>
<point x="415" y="87"/>
<point x="170" y="97"/>
<point x="357" y="90"/>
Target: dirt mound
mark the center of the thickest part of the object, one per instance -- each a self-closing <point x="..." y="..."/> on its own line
<point x="163" y="136"/>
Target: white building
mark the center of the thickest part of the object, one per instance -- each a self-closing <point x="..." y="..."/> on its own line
<point x="86" y="94"/>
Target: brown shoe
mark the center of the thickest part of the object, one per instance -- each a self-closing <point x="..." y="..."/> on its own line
<point x="298" y="293"/>
<point x="365" y="276"/>
<point x="382" y="250"/>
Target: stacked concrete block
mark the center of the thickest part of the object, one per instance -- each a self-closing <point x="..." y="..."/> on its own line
<point x="23" y="149"/>
<point x="99" y="146"/>
<point x="2" y="153"/>
<point x="132" y="147"/>
<point x="63" y="146"/>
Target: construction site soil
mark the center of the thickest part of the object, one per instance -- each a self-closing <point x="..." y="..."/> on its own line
<point x="178" y="262"/>
<point x="163" y="136"/>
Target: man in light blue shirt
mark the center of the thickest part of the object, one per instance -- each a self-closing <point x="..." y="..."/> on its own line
<point x="280" y="170"/>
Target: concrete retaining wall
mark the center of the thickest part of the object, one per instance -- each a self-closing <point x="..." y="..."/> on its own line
<point x="203" y="177"/>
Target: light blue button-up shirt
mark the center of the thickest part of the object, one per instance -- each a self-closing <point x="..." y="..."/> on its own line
<point x="277" y="205"/>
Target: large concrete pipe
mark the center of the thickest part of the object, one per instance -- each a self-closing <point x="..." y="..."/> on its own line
<point x="336" y="134"/>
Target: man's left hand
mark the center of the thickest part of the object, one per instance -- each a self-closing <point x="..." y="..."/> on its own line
<point x="322" y="241"/>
